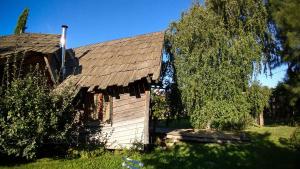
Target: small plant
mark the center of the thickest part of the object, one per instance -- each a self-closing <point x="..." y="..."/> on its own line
<point x="85" y="152"/>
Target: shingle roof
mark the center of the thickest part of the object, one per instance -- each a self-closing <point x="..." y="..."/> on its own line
<point x="43" y="43"/>
<point x="119" y="62"/>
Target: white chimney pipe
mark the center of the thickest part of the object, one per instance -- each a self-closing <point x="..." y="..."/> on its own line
<point x="63" y="49"/>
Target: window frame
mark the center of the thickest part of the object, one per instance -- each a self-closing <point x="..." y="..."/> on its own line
<point x="102" y="108"/>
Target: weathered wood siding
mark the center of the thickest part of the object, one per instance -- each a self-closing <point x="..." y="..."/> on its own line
<point x="128" y="122"/>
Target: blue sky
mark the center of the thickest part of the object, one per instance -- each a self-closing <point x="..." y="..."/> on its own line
<point x="92" y="21"/>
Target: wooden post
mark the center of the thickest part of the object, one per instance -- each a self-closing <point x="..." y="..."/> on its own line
<point x="146" y="121"/>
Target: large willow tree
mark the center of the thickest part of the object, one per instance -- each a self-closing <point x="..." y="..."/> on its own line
<point x="216" y="50"/>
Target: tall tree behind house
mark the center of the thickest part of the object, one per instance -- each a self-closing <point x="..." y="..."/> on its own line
<point x="215" y="47"/>
<point x="285" y="15"/>
<point x="21" y="24"/>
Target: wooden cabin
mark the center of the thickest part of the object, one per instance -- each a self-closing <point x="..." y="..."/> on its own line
<point x="115" y="79"/>
<point x="30" y="49"/>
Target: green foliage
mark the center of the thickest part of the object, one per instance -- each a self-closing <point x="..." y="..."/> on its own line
<point x="31" y="115"/>
<point x="215" y="53"/>
<point x="286" y="16"/>
<point x="281" y="109"/>
<point x="223" y="114"/>
<point x="249" y="17"/>
<point x="259" y="98"/>
<point x="287" y="97"/>
<point x="21" y="25"/>
<point x="239" y="17"/>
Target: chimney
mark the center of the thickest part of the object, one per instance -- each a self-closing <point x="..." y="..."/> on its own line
<point x="63" y="50"/>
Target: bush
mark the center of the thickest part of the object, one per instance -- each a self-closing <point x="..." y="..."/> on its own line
<point x="31" y="115"/>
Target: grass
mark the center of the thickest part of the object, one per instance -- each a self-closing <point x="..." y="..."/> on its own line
<point x="277" y="134"/>
<point x="265" y="151"/>
<point x="268" y="149"/>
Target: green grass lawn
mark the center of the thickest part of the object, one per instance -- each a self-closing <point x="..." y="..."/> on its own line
<point x="268" y="149"/>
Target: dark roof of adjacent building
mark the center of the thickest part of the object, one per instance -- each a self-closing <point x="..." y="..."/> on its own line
<point x="28" y="42"/>
<point x="119" y="62"/>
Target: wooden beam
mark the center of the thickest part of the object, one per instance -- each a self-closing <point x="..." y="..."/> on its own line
<point x="49" y="69"/>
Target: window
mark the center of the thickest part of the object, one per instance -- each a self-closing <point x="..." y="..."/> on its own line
<point x="101" y="107"/>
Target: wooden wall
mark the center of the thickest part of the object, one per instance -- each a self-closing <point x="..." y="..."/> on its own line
<point x="130" y="119"/>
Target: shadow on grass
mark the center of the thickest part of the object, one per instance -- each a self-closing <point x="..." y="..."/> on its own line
<point x="260" y="153"/>
<point x="51" y="151"/>
<point x="182" y="123"/>
<point x="12" y="161"/>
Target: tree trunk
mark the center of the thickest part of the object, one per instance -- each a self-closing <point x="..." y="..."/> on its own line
<point x="208" y="125"/>
<point x="261" y="119"/>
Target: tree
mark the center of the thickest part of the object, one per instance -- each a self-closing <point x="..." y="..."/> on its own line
<point x="280" y="106"/>
<point x="285" y="15"/>
<point x="216" y="50"/>
<point x="21" y="24"/>
<point x="258" y="97"/>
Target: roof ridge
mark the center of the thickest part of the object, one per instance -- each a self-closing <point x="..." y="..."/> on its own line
<point x="118" y="39"/>
<point x="29" y="33"/>
<point x="32" y="33"/>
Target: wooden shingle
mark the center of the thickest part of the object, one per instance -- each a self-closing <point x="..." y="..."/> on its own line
<point x="28" y="42"/>
<point x="120" y="62"/>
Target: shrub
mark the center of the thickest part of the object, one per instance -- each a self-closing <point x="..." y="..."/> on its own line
<point x="31" y="115"/>
<point x="159" y="106"/>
